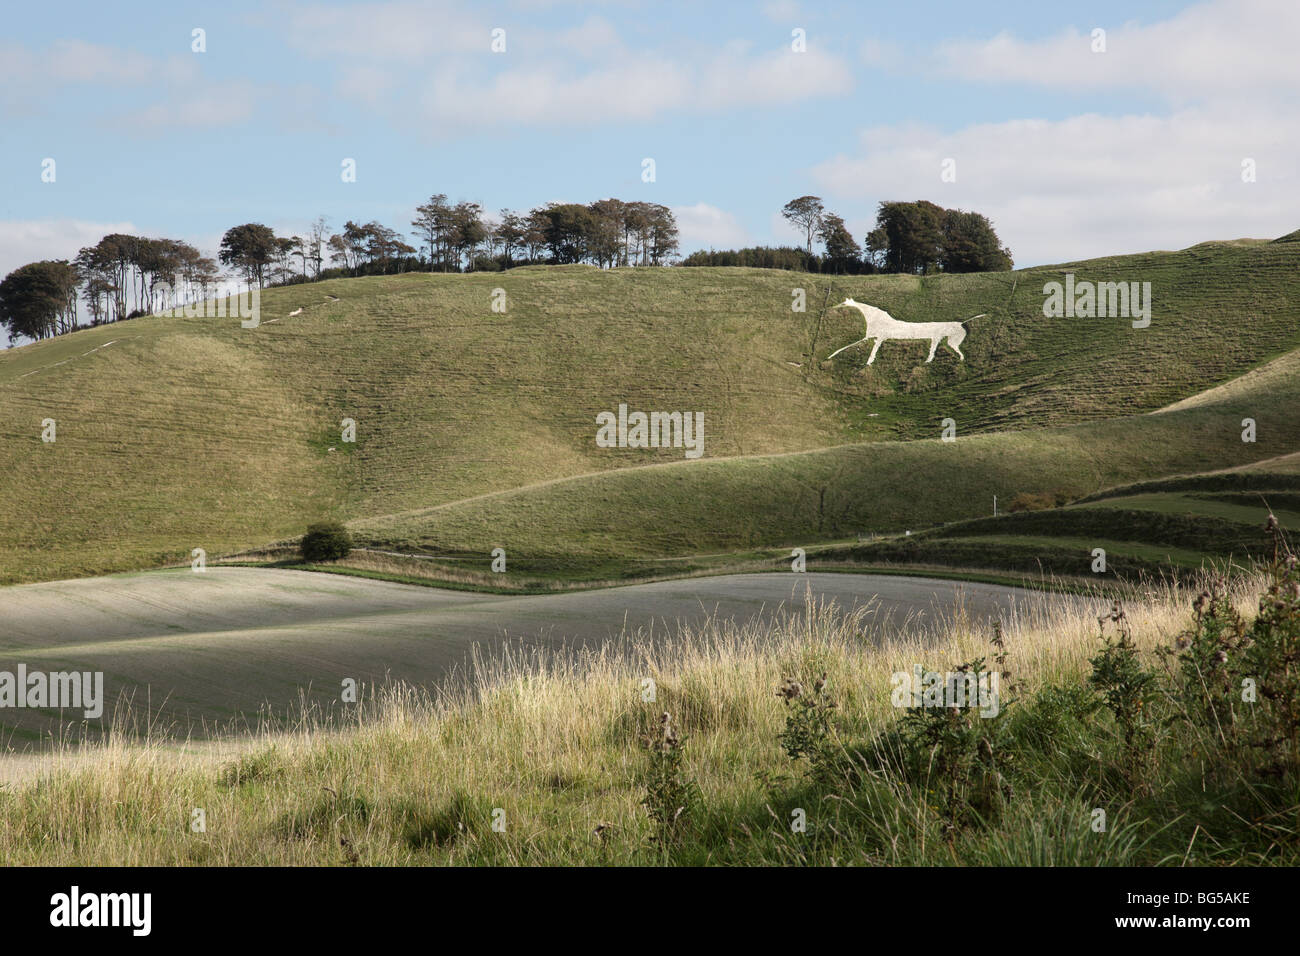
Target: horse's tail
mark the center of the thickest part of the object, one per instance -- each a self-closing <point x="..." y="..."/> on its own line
<point x="982" y="315"/>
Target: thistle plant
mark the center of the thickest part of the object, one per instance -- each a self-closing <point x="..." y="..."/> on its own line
<point x="670" y="794"/>
<point x="808" y="723"/>
<point x="1127" y="687"/>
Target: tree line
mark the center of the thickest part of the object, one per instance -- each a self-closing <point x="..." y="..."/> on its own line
<point x="456" y="237"/>
<point x="913" y="237"/>
<point x="122" y="276"/>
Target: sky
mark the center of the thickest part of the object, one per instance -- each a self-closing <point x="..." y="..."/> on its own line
<point x="1183" y="128"/>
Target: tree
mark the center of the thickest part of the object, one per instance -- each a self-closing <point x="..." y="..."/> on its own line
<point x="804" y="213"/>
<point x="298" y="247"/>
<point x="95" y="269"/>
<point x="877" y="246"/>
<point x="914" y="235"/>
<point x="755" y="257"/>
<point x="250" y="248"/>
<point x="605" y="238"/>
<point x="282" y="257"/>
<point x="341" y="253"/>
<point x="919" y="236"/>
<point x="662" y="234"/>
<point x="842" y="252"/>
<point x="39" y="299"/>
<point x="385" y="247"/>
<point x="352" y="242"/>
<point x="467" y="231"/>
<point x="636" y="231"/>
<point x="971" y="245"/>
<point x="317" y="236"/>
<point x="432" y="226"/>
<point x="535" y="226"/>
<point x="566" y="228"/>
<point x="326" y="541"/>
<point x="204" y="276"/>
<point x="117" y="252"/>
<point x="510" y="232"/>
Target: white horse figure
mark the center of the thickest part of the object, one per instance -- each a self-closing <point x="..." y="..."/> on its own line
<point x="881" y="326"/>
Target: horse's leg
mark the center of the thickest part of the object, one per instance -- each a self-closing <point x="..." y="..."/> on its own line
<point x="955" y="339"/>
<point x="934" y="344"/>
<point x="849" y="346"/>
<point x="874" y="349"/>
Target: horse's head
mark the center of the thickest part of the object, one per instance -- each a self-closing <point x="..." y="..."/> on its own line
<point x="846" y="302"/>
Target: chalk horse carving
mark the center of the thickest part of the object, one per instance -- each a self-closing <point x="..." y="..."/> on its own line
<point x="881" y="326"/>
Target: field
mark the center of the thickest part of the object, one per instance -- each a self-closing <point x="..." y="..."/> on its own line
<point x="220" y="654"/>
<point x="539" y="757"/>
<point x="475" y="428"/>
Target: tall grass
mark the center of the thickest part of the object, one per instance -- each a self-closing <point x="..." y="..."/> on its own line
<point x="534" y="757"/>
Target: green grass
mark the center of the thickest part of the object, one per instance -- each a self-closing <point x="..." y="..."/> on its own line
<point x="803" y="499"/>
<point x="187" y="433"/>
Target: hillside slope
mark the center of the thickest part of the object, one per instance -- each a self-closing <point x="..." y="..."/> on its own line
<point x="181" y="433"/>
<point x="881" y="487"/>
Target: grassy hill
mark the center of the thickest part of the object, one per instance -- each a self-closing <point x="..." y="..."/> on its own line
<point x="476" y="429"/>
<point x="837" y="493"/>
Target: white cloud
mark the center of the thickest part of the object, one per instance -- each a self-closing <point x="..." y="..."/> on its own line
<point x="1095" y="184"/>
<point x="782" y="11"/>
<point x="736" y="79"/>
<point x="640" y="87"/>
<point x="708" y="227"/>
<point x="69" y="62"/>
<point x="571" y="76"/>
<point x="388" y="31"/>
<point x="178" y="95"/>
<point x="24" y="241"/>
<point x="1091" y="185"/>
<point x="595" y="38"/>
<point x="1224" y="49"/>
<point x="28" y="77"/>
<point x="226" y="105"/>
<point x="367" y="83"/>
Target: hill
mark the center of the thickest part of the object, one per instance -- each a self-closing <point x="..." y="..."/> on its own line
<point x="881" y="488"/>
<point x="178" y="433"/>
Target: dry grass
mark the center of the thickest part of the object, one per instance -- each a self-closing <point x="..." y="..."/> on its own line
<point x="412" y="776"/>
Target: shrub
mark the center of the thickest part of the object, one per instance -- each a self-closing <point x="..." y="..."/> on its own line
<point x="326" y="541"/>
<point x="1272" y="657"/>
<point x="956" y="756"/>
<point x="1038" y="501"/>
<point x="1127" y="687"/>
<point x="670" y="794"/>
<point x="1209" y="660"/>
<point x="808" y="728"/>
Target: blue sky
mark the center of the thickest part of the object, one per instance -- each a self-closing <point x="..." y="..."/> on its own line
<point x="1072" y="152"/>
